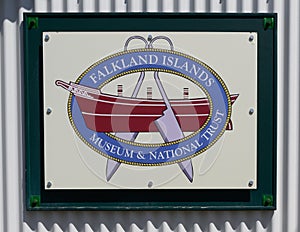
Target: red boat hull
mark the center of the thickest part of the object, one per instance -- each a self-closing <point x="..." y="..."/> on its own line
<point x="107" y="113"/>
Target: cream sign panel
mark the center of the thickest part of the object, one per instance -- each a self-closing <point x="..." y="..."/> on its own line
<point x="150" y="110"/>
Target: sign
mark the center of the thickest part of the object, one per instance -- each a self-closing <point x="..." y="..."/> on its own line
<point x="151" y="112"/>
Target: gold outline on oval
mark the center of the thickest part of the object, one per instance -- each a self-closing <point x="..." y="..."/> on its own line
<point x="154" y="69"/>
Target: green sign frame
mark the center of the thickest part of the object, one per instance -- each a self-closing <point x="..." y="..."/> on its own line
<point x="261" y="198"/>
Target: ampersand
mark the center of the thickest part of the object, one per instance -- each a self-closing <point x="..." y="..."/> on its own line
<point x="140" y="156"/>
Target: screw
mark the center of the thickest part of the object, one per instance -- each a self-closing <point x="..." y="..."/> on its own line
<point x="251" y="38"/>
<point x="34" y="203"/>
<point x="267" y="200"/>
<point x="250" y="184"/>
<point x="47" y="37"/>
<point x="251" y="111"/>
<point x="49" y="111"/>
<point x="150" y="184"/>
<point x="49" y="184"/>
<point x="31" y="24"/>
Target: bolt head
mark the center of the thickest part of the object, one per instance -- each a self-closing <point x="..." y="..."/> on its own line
<point x="251" y="111"/>
<point x="150" y="184"/>
<point x="250" y="184"/>
<point x="251" y="38"/>
<point x="46" y="38"/>
<point x="49" y="111"/>
<point x="49" y="184"/>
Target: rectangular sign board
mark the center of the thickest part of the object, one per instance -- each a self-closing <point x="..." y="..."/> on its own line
<point x="178" y="110"/>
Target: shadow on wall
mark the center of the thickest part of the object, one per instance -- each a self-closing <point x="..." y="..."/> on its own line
<point x="150" y="220"/>
<point x="9" y="10"/>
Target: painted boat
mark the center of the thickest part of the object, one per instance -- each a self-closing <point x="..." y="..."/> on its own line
<point x="109" y="113"/>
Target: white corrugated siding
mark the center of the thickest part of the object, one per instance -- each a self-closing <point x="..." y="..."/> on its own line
<point x="14" y="218"/>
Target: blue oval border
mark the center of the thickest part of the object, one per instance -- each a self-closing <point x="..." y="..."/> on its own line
<point x="154" y="154"/>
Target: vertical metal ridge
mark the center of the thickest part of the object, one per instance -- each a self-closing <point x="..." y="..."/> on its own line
<point x="2" y="134"/>
<point x="23" y="7"/>
<point x="11" y="144"/>
<point x="10" y="118"/>
<point x="152" y="6"/>
<point x="56" y="5"/>
<point x="200" y="6"/>
<point x="183" y="6"/>
<point x="231" y="6"/>
<point x="120" y="5"/>
<point x="40" y="6"/>
<point x="247" y="6"/>
<point x="103" y="228"/>
<point x="297" y="41"/>
<point x="216" y="6"/>
<point x="286" y="72"/>
<point x="176" y="6"/>
<point x="277" y="224"/>
<point x="168" y="6"/>
<point x="192" y="6"/>
<point x="105" y="5"/>
<point x="262" y="6"/>
<point x="135" y="5"/>
<point x="71" y="5"/>
<point x="160" y="5"/>
<point x="293" y="118"/>
<point x="89" y="6"/>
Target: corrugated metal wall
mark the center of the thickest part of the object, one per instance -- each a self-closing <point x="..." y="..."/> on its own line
<point x="13" y="216"/>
